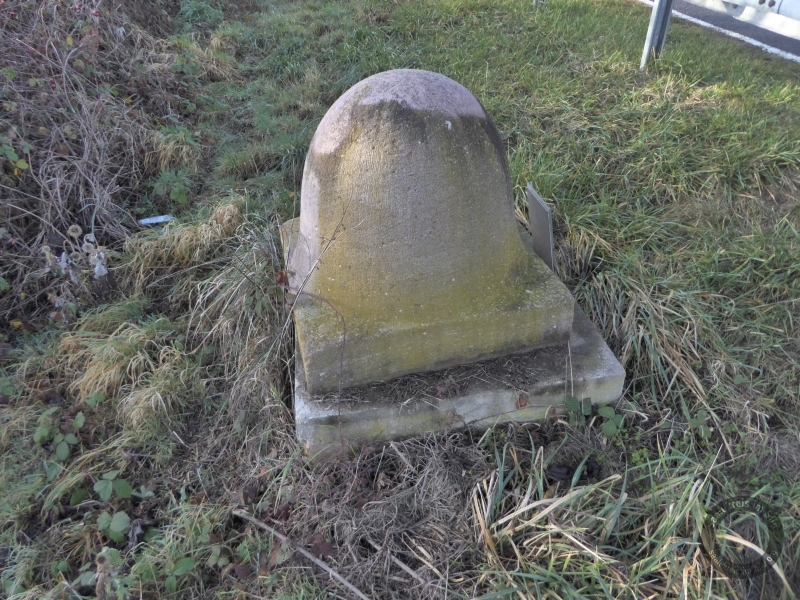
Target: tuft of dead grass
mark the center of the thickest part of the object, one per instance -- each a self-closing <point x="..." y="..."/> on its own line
<point x="157" y="257"/>
<point x="103" y="363"/>
<point x="174" y="148"/>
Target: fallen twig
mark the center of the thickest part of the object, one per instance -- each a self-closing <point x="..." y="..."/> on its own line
<point x="322" y="565"/>
<point x="402" y="457"/>
<point x="400" y="563"/>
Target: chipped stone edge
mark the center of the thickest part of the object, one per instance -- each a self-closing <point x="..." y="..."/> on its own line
<point x="330" y="430"/>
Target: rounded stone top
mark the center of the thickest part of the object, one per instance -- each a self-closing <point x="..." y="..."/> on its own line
<point x="413" y="89"/>
<point x="412" y="166"/>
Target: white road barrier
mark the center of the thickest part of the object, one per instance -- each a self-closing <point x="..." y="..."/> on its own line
<point x="782" y="17"/>
<point x="748" y="40"/>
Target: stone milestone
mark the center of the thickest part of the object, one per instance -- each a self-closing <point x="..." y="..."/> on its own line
<point x="407" y="231"/>
<point x="407" y="257"/>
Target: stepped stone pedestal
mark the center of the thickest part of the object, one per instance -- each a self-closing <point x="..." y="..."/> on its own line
<point x="407" y="264"/>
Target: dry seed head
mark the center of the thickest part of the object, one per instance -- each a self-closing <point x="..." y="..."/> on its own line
<point x="87" y="247"/>
<point x="74" y="231"/>
<point x="216" y="42"/>
<point x="89" y="239"/>
<point x="45" y="249"/>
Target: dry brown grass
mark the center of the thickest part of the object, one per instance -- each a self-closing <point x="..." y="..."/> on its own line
<point x="174" y="149"/>
<point x="80" y="114"/>
<point x="157" y="258"/>
<point x="214" y="63"/>
<point x="100" y="363"/>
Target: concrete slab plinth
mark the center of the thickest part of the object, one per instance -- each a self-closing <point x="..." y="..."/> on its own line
<point x="519" y="388"/>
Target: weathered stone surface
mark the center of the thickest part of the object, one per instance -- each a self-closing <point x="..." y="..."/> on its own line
<point x="407" y="240"/>
<point x="586" y="368"/>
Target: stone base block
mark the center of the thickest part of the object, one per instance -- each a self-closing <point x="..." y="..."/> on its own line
<point x="519" y="388"/>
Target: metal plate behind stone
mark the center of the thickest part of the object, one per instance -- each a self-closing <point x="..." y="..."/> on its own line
<point x="540" y="216"/>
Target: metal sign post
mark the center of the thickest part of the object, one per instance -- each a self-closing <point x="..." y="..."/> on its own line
<point x="540" y="219"/>
<point x="657" y="32"/>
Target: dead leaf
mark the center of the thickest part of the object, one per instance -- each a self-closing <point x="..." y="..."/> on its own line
<point x="242" y="570"/>
<point x="320" y="547"/>
<point x="199" y="498"/>
<point x="263" y="564"/>
<point x="5" y="399"/>
<point x="522" y="401"/>
<point x="226" y="571"/>
<point x="250" y="494"/>
<point x="279" y="555"/>
<point x="87" y="434"/>
<point x="283" y="512"/>
<point x="137" y="531"/>
<point x="507" y="550"/>
<point x="48" y="396"/>
<point x="59" y="316"/>
<point x="382" y="482"/>
<point x="550" y="492"/>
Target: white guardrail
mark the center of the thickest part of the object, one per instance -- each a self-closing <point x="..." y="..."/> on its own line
<point x="779" y="16"/>
<point x="787" y="8"/>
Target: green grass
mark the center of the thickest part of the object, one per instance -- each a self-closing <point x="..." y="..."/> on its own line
<point x="676" y="207"/>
